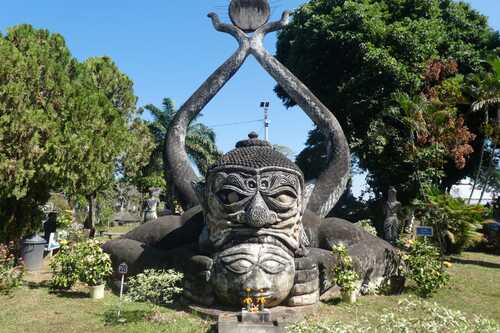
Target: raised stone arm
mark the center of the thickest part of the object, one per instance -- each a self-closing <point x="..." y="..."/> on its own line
<point x="332" y="182"/>
<point x="276" y="25"/>
<point x="227" y="28"/>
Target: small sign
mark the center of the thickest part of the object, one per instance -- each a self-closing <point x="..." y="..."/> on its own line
<point x="123" y="268"/>
<point x="425" y="231"/>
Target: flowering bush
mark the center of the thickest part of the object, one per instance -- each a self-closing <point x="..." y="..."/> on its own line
<point x="343" y="273"/>
<point x="423" y="265"/>
<point x="65" y="267"/>
<point x="11" y="270"/>
<point x="95" y="263"/>
<point x="411" y="316"/>
<point x="367" y="226"/>
<point x="155" y="286"/>
<point x="65" y="219"/>
<point x="85" y="262"/>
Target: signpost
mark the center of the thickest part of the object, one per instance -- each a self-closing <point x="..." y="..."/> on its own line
<point x="123" y="270"/>
<point x="425" y="231"/>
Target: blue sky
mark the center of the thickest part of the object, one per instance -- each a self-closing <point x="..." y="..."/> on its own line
<point x="168" y="48"/>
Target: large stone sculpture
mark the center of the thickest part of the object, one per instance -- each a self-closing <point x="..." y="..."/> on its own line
<point x="255" y="228"/>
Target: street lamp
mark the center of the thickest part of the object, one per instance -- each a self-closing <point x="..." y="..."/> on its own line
<point x="265" y="106"/>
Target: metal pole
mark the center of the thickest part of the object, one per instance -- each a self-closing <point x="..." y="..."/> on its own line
<point x="121" y="295"/>
<point x="266" y="123"/>
<point x="265" y="106"/>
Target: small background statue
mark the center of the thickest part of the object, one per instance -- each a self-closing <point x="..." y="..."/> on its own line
<point x="151" y="205"/>
<point x="391" y="222"/>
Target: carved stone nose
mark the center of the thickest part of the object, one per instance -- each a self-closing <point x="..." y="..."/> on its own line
<point x="258" y="215"/>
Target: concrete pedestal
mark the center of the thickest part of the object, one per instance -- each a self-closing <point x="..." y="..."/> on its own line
<point x="253" y="324"/>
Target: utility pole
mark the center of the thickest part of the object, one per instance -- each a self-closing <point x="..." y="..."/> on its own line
<point x="265" y="106"/>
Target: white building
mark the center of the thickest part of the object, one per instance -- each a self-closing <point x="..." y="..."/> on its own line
<point x="462" y="190"/>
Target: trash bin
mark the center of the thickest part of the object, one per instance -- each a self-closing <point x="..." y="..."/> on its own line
<point x="32" y="253"/>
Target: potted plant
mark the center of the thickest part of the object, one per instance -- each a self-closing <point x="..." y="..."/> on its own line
<point x="95" y="267"/>
<point x="344" y="274"/>
<point x="85" y="262"/>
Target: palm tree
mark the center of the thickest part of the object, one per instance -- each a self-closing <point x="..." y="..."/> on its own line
<point x="200" y="143"/>
<point x="485" y="87"/>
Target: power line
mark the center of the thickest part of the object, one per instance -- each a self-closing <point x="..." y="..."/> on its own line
<point x="237" y="123"/>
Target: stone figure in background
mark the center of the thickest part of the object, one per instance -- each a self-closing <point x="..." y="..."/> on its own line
<point x="409" y="222"/>
<point x="50" y="225"/>
<point x="254" y="228"/>
<point x="392" y="226"/>
<point x="150" y="207"/>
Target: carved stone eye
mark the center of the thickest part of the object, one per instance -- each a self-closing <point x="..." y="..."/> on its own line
<point x="272" y="266"/>
<point x="264" y="184"/>
<point x="252" y="184"/>
<point x="285" y="198"/>
<point x="229" y="197"/>
<point x="240" y="266"/>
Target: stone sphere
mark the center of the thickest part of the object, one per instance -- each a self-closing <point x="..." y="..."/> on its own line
<point x="255" y="270"/>
<point x="249" y="15"/>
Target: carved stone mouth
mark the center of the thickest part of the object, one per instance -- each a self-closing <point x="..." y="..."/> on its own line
<point x="263" y="295"/>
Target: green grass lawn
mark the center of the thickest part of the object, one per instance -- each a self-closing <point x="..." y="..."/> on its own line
<point x="474" y="288"/>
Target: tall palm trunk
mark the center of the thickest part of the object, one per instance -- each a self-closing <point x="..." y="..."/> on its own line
<point x="478" y="173"/>
<point x="492" y="160"/>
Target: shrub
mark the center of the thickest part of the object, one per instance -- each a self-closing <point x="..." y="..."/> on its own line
<point x="64" y="219"/>
<point x="344" y="275"/>
<point x="95" y="264"/>
<point x="410" y="316"/>
<point x="155" y="286"/>
<point x="367" y="226"/>
<point x="85" y="262"/>
<point x="64" y="267"/>
<point x="11" y="270"/>
<point x="456" y="224"/>
<point x="491" y="231"/>
<point x="423" y="266"/>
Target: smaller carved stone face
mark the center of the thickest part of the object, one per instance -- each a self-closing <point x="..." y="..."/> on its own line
<point x="266" y="270"/>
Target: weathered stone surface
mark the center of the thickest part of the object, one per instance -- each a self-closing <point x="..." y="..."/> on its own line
<point x="249" y="15"/>
<point x="231" y="324"/>
<point x="255" y="238"/>
<point x="255" y="270"/>
<point x="255" y="317"/>
<point x="392" y="225"/>
<point x="278" y="313"/>
<point x="330" y="184"/>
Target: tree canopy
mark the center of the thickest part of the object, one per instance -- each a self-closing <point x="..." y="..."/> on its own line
<point x="64" y="125"/>
<point x="200" y="146"/>
<point x="392" y="71"/>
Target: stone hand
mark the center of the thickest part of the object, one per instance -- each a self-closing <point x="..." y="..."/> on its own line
<point x="306" y="288"/>
<point x="197" y="274"/>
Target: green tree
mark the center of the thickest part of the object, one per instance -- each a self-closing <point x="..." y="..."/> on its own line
<point x="356" y="55"/>
<point x="64" y="125"/>
<point x="200" y="146"/>
<point x="36" y="72"/>
<point x="485" y="90"/>
<point x="107" y="134"/>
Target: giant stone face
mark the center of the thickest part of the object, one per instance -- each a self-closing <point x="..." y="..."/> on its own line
<point x="253" y="211"/>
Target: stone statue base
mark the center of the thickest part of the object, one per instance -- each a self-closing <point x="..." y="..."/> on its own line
<point x="232" y="324"/>
<point x="280" y="313"/>
<point x="272" y="320"/>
